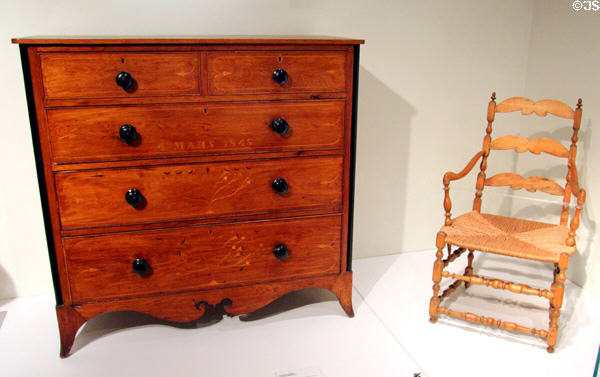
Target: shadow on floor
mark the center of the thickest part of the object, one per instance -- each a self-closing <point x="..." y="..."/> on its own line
<point x="290" y="301"/>
<point x="111" y="323"/>
<point x="506" y="268"/>
<point x="7" y="287"/>
<point x="2" y="317"/>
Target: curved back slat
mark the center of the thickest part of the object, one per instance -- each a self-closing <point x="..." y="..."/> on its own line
<point x="541" y="108"/>
<point x="532" y="184"/>
<point x="535" y="146"/>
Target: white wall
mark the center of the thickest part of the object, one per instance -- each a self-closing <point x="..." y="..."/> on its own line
<point x="564" y="63"/>
<point x="427" y="71"/>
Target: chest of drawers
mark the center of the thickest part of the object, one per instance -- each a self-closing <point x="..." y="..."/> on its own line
<point x="181" y="176"/>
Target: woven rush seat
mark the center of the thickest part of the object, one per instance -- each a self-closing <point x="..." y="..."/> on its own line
<point x="509" y="236"/>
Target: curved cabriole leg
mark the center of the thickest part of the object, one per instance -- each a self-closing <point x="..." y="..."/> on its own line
<point x="558" y="290"/>
<point x="69" y="322"/>
<point x="342" y="288"/>
<point x="438" y="266"/>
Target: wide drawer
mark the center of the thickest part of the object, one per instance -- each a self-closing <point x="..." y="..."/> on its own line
<point x="95" y="198"/>
<point x="94" y="75"/>
<point x="243" y="72"/>
<point x="94" y="133"/>
<point x="201" y="257"/>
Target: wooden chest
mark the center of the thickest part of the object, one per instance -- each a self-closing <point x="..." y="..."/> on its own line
<point x="181" y="176"/>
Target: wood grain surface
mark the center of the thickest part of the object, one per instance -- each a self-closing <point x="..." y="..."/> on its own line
<point x="252" y="71"/>
<point x="177" y="192"/>
<point x="208" y="256"/>
<point x="92" y="133"/>
<point x="92" y="75"/>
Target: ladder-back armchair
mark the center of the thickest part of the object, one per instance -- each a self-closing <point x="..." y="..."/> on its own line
<point x="509" y="236"/>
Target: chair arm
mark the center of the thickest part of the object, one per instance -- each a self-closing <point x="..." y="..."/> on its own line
<point x="450" y="176"/>
<point x="573" y="181"/>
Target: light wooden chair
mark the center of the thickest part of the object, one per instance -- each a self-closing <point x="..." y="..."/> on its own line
<point x="508" y="236"/>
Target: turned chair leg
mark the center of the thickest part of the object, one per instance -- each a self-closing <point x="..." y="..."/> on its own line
<point x="469" y="268"/>
<point x="558" y="290"/>
<point x="554" y="273"/>
<point x="438" y="266"/>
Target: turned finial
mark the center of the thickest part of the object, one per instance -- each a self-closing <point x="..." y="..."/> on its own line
<point x="579" y="104"/>
<point x="493" y="96"/>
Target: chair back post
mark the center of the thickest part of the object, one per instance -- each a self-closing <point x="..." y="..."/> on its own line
<point x="564" y="217"/>
<point x="487" y="140"/>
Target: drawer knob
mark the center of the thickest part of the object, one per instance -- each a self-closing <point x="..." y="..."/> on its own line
<point x="280" y="126"/>
<point x="280" y="76"/>
<point x="140" y="266"/>
<point x="134" y="197"/>
<point x="281" y="251"/>
<point x="124" y="80"/>
<point x="280" y="186"/>
<point x="128" y="133"/>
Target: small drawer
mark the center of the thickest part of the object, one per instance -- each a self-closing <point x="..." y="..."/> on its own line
<point x="126" y="74"/>
<point x="245" y="72"/>
<point x="201" y="257"/>
<point x="134" y="132"/>
<point x="113" y="197"/>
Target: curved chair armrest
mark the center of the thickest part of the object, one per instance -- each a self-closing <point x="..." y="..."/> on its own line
<point x="573" y="181"/>
<point x="450" y="176"/>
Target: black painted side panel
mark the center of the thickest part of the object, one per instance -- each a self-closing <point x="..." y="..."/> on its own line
<point x="353" y="155"/>
<point x="37" y="150"/>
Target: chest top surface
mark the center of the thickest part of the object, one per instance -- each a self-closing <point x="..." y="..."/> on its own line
<point x="185" y="39"/>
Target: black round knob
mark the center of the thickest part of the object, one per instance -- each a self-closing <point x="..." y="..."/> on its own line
<point x="140" y="266"/>
<point x="280" y="126"/>
<point x="124" y="80"/>
<point x="134" y="197"/>
<point x="280" y="76"/>
<point x="279" y="185"/>
<point x="281" y="251"/>
<point x="128" y="133"/>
